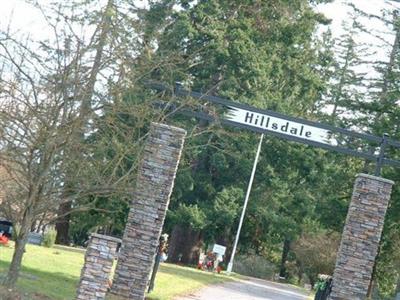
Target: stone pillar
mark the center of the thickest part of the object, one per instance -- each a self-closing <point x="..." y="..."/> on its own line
<point x="154" y="185"/>
<point x="360" y="238"/>
<point x="96" y="271"/>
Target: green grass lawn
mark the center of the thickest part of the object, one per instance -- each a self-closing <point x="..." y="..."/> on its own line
<point x="54" y="272"/>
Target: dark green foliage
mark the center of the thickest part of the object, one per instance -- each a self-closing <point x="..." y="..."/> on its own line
<point x="105" y="215"/>
<point x="190" y="216"/>
<point x="261" y="53"/>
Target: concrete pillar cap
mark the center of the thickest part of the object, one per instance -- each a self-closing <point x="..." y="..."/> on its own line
<point x="169" y="127"/>
<point x="106" y="237"/>
<point x="375" y="178"/>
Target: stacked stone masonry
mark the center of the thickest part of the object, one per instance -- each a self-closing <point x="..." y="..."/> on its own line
<point x="148" y="209"/>
<point x="95" y="275"/>
<point x="360" y="238"/>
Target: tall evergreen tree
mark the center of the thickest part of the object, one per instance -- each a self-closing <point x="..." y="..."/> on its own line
<point x="386" y="109"/>
<point x="260" y="53"/>
<point x="377" y="111"/>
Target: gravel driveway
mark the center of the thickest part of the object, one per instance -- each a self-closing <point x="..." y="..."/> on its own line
<point x="249" y="289"/>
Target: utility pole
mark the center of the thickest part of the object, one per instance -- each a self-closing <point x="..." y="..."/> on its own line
<point x="246" y="200"/>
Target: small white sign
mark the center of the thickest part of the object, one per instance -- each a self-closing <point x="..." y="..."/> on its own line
<point x="279" y="125"/>
<point x="219" y="249"/>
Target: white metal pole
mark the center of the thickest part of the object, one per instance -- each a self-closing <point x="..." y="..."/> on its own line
<point x="246" y="200"/>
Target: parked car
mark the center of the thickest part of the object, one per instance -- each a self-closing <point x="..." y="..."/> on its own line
<point x="6" y="228"/>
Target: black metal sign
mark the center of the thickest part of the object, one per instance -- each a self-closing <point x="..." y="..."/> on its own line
<point x="363" y="145"/>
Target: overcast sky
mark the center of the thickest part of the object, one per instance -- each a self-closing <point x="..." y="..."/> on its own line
<point x="23" y="19"/>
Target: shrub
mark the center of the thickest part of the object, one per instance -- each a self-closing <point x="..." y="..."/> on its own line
<point x="316" y="253"/>
<point x="49" y="238"/>
<point x="255" y="266"/>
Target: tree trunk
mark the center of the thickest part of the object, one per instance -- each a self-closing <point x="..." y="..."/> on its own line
<point x="226" y="240"/>
<point x="175" y="244"/>
<point x="299" y="277"/>
<point x="62" y="224"/>
<point x="312" y="282"/>
<point x="184" y="245"/>
<point x="193" y="247"/>
<point x="285" y="253"/>
<point x="21" y="239"/>
<point x="375" y="291"/>
<point x="33" y="226"/>
<point x="40" y="225"/>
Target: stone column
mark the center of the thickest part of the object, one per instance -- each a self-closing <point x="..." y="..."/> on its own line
<point x="360" y="238"/>
<point x="96" y="271"/>
<point x="148" y="208"/>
